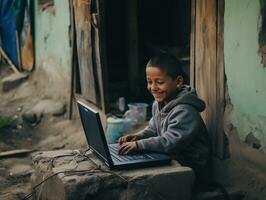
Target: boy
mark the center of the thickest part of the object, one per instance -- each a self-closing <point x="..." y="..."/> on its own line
<point x="176" y="127"/>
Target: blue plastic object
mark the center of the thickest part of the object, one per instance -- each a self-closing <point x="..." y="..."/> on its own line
<point x="117" y="127"/>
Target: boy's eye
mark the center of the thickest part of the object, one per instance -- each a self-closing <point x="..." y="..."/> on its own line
<point x="160" y="82"/>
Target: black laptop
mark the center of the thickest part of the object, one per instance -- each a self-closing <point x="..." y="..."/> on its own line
<point x="93" y="129"/>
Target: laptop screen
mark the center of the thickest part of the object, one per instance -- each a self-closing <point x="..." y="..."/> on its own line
<point x="92" y="126"/>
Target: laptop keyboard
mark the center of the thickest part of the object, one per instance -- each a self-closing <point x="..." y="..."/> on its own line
<point x="114" y="153"/>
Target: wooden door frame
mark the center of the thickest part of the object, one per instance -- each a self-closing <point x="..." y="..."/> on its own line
<point x="100" y="53"/>
<point x="203" y="59"/>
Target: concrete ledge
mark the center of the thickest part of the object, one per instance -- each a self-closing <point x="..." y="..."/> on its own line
<point x="73" y="176"/>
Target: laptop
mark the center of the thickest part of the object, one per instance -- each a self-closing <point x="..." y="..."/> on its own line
<point x="108" y="153"/>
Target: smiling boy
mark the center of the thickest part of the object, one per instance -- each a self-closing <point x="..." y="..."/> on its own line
<point x="176" y="127"/>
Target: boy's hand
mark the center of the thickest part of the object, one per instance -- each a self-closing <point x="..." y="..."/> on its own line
<point x="127" y="138"/>
<point x="128" y="148"/>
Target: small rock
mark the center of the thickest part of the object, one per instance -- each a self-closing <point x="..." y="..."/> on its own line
<point x="19" y="109"/>
<point x="2" y="179"/>
<point x="2" y="171"/>
<point x="20" y="170"/>
<point x="34" y="124"/>
<point x="32" y="117"/>
<point x="59" y="147"/>
<point x="13" y="81"/>
<point x="15" y="117"/>
<point x="3" y="146"/>
<point x="14" y="131"/>
<point x="19" y="126"/>
<point x="45" y="106"/>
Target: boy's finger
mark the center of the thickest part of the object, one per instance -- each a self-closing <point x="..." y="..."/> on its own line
<point x="124" y="148"/>
<point x="126" y="138"/>
<point x="120" y="140"/>
<point x="132" y="150"/>
<point x="121" y="151"/>
<point x="121" y="148"/>
<point x="132" y="138"/>
<point x="129" y="151"/>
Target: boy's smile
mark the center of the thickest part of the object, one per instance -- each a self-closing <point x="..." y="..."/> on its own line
<point x="162" y="87"/>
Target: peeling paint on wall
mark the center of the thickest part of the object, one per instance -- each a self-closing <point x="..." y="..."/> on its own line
<point x="52" y="47"/>
<point x="246" y="76"/>
<point x="46" y="6"/>
<point x="262" y="32"/>
<point x="52" y="35"/>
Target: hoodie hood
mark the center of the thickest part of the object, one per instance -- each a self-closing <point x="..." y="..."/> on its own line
<point x="186" y="95"/>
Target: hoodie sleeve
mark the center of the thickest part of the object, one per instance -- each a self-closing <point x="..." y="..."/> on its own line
<point x="182" y="126"/>
<point x="149" y="131"/>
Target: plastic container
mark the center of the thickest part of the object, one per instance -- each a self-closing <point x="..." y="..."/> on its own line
<point x="137" y="113"/>
<point x="117" y="127"/>
<point x="122" y="104"/>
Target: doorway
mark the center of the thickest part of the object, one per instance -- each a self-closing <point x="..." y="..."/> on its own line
<point x="136" y="30"/>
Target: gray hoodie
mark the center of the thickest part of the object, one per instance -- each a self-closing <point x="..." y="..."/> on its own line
<point x="178" y="129"/>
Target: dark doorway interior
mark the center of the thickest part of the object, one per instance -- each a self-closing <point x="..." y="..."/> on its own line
<point x="135" y="32"/>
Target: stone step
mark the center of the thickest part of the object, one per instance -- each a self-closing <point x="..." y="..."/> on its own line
<point x="66" y="174"/>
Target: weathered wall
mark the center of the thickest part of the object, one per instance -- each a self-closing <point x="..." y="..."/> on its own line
<point x="52" y="46"/>
<point x="246" y="76"/>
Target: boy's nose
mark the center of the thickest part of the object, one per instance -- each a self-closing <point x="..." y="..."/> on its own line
<point x="154" y="87"/>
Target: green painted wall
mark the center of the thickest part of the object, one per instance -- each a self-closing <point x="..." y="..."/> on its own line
<point x="246" y="76"/>
<point x="52" y="47"/>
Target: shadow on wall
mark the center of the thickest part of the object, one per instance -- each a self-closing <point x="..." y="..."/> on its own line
<point x="262" y="32"/>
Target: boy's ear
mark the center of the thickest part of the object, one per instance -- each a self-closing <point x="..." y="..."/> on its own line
<point x="179" y="81"/>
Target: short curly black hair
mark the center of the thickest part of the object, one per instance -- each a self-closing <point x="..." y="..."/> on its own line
<point x="167" y="63"/>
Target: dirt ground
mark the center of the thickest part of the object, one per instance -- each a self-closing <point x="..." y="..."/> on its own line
<point x="52" y="132"/>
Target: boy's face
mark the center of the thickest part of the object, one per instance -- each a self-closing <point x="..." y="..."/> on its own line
<point x="162" y="87"/>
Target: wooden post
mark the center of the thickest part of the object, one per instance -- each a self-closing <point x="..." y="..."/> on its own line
<point x="73" y="48"/>
<point x="220" y="107"/>
<point x="84" y="49"/>
<point x="207" y="66"/>
<point x="206" y="73"/>
<point x="18" y="51"/>
<point x="98" y="56"/>
<point x="192" y="44"/>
